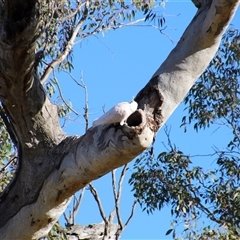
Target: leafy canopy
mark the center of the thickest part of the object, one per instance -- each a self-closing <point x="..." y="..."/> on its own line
<point x="174" y="179"/>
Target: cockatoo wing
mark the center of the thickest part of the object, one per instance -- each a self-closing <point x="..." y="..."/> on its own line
<point x="118" y="113"/>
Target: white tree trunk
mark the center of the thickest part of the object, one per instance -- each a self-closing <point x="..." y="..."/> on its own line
<point x="196" y="48"/>
<point x="53" y="166"/>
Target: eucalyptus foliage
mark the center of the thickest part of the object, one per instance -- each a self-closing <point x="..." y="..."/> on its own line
<point x="173" y="179"/>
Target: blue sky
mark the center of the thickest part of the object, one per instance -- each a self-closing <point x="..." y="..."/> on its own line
<point x="114" y="68"/>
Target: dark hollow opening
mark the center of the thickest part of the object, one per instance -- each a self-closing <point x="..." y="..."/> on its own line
<point x="134" y="119"/>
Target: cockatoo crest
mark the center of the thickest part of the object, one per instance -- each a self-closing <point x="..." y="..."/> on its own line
<point x="117" y="114"/>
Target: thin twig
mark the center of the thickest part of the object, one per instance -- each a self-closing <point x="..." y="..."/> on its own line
<point x="117" y="193"/>
<point x="75" y="207"/>
<point x="86" y="103"/>
<point x="131" y="215"/>
<point x="67" y="219"/>
<point x="97" y="199"/>
<point x="134" y="24"/>
<point x="113" y="174"/>
<point x="118" y="233"/>
<point x="67" y="49"/>
<point x="71" y="15"/>
<point x="116" y="199"/>
<point x="104" y="44"/>
<point x="79" y="201"/>
<point x="74" y="79"/>
<point x="61" y="95"/>
<point x="113" y="212"/>
<point x="83" y="85"/>
<point x="9" y="163"/>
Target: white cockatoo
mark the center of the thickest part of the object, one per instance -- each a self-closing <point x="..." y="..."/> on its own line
<point x="117" y="114"/>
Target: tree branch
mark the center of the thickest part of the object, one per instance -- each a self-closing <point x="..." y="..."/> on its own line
<point x="83" y="85"/>
<point x="60" y="93"/>
<point x="197" y="3"/>
<point x="68" y="47"/>
<point x="76" y="10"/>
<point x="55" y="166"/>
<point x="131" y="214"/>
<point x="14" y="158"/>
<point x="184" y="63"/>
<point x="117" y="193"/>
<point x="76" y="204"/>
<point x="98" y="201"/>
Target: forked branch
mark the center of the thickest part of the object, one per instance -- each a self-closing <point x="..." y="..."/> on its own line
<point x="68" y="47"/>
<point x="75" y="207"/>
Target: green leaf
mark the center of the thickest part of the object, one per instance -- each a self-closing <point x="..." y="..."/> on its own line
<point x="169" y="231"/>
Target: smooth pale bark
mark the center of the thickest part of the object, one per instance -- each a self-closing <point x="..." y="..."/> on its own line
<point x="53" y="166"/>
<point x="91" y="232"/>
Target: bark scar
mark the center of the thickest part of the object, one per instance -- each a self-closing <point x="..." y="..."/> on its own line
<point x="150" y="101"/>
<point x="58" y="195"/>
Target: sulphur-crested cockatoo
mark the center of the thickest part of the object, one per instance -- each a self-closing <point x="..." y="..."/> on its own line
<point x="117" y="114"/>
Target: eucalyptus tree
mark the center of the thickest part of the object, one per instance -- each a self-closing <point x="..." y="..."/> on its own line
<point x="37" y="37"/>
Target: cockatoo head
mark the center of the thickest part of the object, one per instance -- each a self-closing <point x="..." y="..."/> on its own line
<point x="134" y="105"/>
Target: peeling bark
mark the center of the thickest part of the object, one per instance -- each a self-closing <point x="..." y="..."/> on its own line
<point x="52" y="166"/>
